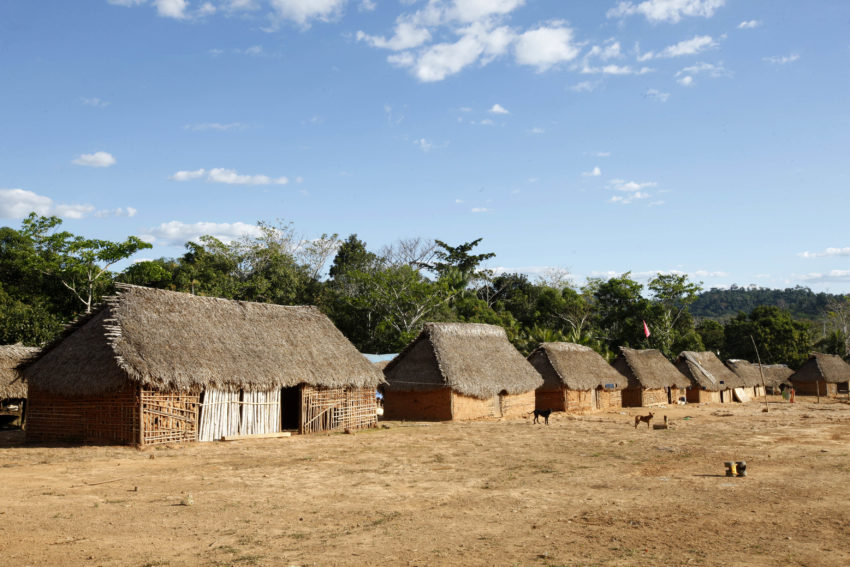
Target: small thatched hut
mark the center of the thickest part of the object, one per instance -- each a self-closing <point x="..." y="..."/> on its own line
<point x="776" y="377"/>
<point x="575" y="378"/>
<point x="457" y="371"/>
<point x="821" y="375"/>
<point x="653" y="380"/>
<point x="153" y="366"/>
<point x="13" y="391"/>
<point x="751" y="377"/>
<point x="711" y="381"/>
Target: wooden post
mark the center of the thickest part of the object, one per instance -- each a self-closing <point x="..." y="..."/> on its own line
<point x="761" y="373"/>
<point x="140" y="407"/>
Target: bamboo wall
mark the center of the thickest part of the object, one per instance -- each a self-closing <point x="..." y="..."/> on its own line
<point x="330" y="409"/>
<point x="168" y="418"/>
<point x="238" y="412"/>
<point x="105" y="418"/>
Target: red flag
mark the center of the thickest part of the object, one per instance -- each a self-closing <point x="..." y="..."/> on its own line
<point x="645" y="329"/>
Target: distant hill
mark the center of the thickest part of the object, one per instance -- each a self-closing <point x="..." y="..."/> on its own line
<point x="723" y="304"/>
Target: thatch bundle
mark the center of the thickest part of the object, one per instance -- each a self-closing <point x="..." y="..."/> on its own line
<point x="11" y="384"/>
<point x="650" y="368"/>
<point x="470" y="358"/>
<point x="178" y="342"/>
<point x="707" y="371"/>
<point x="749" y="375"/>
<point x="574" y="366"/>
<point x="819" y="367"/>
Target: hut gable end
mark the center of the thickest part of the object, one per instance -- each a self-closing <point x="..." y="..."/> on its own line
<point x="707" y="371"/>
<point x="650" y="369"/>
<point x="11" y="385"/>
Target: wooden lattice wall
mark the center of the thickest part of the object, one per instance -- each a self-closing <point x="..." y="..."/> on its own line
<point x="329" y="409"/>
<point x="168" y="417"/>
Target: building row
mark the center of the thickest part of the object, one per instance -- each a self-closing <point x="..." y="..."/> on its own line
<point x="152" y="366"/>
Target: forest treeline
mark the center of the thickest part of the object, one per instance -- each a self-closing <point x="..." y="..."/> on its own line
<point x="380" y="298"/>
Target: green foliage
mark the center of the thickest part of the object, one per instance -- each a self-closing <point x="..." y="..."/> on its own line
<point x="622" y="309"/>
<point x="801" y="302"/>
<point x="780" y="339"/>
<point x="711" y="335"/>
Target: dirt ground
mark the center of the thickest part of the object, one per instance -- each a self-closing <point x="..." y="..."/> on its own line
<point x="589" y="490"/>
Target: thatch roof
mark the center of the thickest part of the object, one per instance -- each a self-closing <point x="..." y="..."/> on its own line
<point x="707" y="371"/>
<point x="575" y="366"/>
<point x="11" y="385"/>
<point x="172" y="341"/>
<point x="649" y="369"/>
<point x="470" y="358"/>
<point x="748" y="373"/>
<point x="820" y="366"/>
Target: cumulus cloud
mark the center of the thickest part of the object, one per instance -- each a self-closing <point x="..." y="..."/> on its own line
<point x="782" y="59"/>
<point x="595" y="172"/>
<point x="176" y="233"/>
<point x="407" y="35"/>
<point x="616" y="70"/>
<point x="546" y="46"/>
<point x="304" y="12"/>
<point x="693" y="46"/>
<point x="228" y="176"/>
<point x="669" y="11"/>
<point x="128" y="212"/>
<point x="832" y="276"/>
<point x="367" y="6"/>
<point x="498" y="109"/>
<point x="480" y="210"/>
<point x="584" y="87"/>
<point x="97" y="159"/>
<point x="630" y="186"/>
<point x="713" y="70"/>
<point x="685" y="81"/>
<point x="172" y="8"/>
<point x="626" y="199"/>
<point x="18" y="203"/>
<point x="828" y="253"/>
<point x="749" y="24"/>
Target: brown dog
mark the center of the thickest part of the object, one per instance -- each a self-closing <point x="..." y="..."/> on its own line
<point x="646" y="418"/>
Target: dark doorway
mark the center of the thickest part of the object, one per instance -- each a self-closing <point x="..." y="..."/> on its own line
<point x="290" y="406"/>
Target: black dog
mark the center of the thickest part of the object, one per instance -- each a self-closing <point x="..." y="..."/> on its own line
<point x="544" y="413"/>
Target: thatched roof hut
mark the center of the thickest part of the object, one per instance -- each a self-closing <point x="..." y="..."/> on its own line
<point x="169" y="341"/>
<point x="147" y="343"/>
<point x="820" y="367"/>
<point x="777" y="374"/>
<point x="11" y="384"/>
<point x="750" y="377"/>
<point x="706" y="371"/>
<point x="574" y="366"/>
<point x="650" y="369"/>
<point x="470" y="360"/>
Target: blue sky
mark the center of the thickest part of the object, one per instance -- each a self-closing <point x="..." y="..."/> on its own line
<point x="708" y="137"/>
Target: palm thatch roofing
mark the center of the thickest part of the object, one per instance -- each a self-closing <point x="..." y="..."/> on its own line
<point x="707" y="371"/>
<point x="575" y="367"/>
<point x="11" y="384"/>
<point x="749" y="375"/>
<point x="827" y="367"/>
<point x="470" y="358"/>
<point x="650" y="369"/>
<point x="171" y="341"/>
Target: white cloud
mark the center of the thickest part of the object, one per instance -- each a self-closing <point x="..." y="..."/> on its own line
<point x="584" y="87"/>
<point x="657" y="95"/>
<point x="228" y="176"/>
<point x="610" y="50"/>
<point x="686" y="81"/>
<point x="783" y="59"/>
<point x="216" y="126"/>
<point x="18" y="203"/>
<point x="537" y="131"/>
<point x="176" y="233"/>
<point x="630" y="186"/>
<point x="626" y="199"/>
<point x="367" y="6"/>
<point x="171" y="8"/>
<point x="601" y="154"/>
<point x="303" y="12"/>
<point x="97" y="159"/>
<point x="546" y="46"/>
<point x="749" y="24"/>
<point x="254" y="50"/>
<point x="458" y="201"/>
<point x="616" y="70"/>
<point x="95" y="102"/>
<point x="480" y="210"/>
<point x="407" y="36"/>
<point x="828" y="253"/>
<point x="713" y="70"/>
<point x="206" y="9"/>
<point x="696" y="44"/>
<point x="125" y="2"/>
<point x="498" y="109"/>
<point x="595" y="172"/>
<point x="832" y="276"/>
<point x="128" y="212"/>
<point x="478" y="42"/>
<point x="711" y="274"/>
<point x="423" y="144"/>
<point x="671" y="11"/>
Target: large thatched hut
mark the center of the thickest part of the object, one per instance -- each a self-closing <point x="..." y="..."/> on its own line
<point x="653" y="380"/>
<point x="822" y="374"/>
<point x="575" y="378"/>
<point x="711" y="380"/>
<point x="13" y="391"/>
<point x="153" y="366"/>
<point x="456" y="371"/>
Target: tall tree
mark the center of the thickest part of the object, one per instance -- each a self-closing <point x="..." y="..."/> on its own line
<point x="671" y="296"/>
<point x="779" y="338"/>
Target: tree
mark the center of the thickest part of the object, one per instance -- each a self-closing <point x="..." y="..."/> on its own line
<point x="621" y="308"/>
<point x="455" y="263"/>
<point x="711" y="335"/>
<point x="779" y="338"/>
<point x="671" y="296"/>
<point x="351" y="256"/>
<point x="80" y="264"/>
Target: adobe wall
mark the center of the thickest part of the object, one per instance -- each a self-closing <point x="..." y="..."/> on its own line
<point x="518" y="405"/>
<point x="632" y="397"/>
<point x="550" y="399"/>
<point x="467" y="407"/>
<point x="610" y="399"/>
<point x="580" y="401"/>
<point x="654" y="397"/>
<point x="810" y="388"/>
<point x="102" y="419"/>
<point x="697" y="395"/>
<point x="426" y="405"/>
